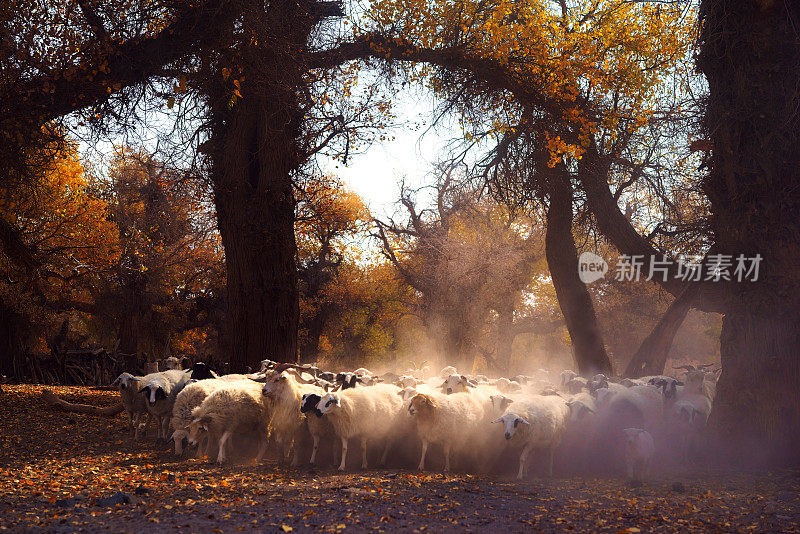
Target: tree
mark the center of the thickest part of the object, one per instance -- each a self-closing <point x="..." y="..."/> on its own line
<point x="168" y="277"/>
<point x="329" y="219"/>
<point x="61" y="222"/>
<point x="748" y="53"/>
<point x="465" y="257"/>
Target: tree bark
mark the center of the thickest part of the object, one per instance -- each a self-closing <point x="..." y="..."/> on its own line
<point x="749" y="55"/>
<point x="651" y="357"/>
<point x="573" y="297"/>
<point x="51" y="399"/>
<point x="255" y="211"/>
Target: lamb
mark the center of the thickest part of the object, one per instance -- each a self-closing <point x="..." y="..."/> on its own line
<point x="452" y="420"/>
<point x="236" y="409"/>
<point x="536" y="422"/>
<point x="367" y="413"/>
<point x="134" y="403"/>
<point x="319" y="427"/>
<point x="285" y="393"/>
<point x="190" y="397"/>
<point x="160" y="390"/>
<point x="639" y="450"/>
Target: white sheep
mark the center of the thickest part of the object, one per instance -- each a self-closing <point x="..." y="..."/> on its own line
<point x="135" y="404"/>
<point x="537" y="422"/>
<point x="566" y="376"/>
<point x="454" y="420"/>
<point x="447" y="371"/>
<point x="190" y="397"/>
<point x="288" y="424"/>
<point x="581" y="407"/>
<point x="639" y="450"/>
<point x="160" y="390"/>
<point x="456" y="384"/>
<point x="575" y="385"/>
<point x="237" y="409"/>
<point x="406" y="381"/>
<point x="504" y="385"/>
<point x="366" y="413"/>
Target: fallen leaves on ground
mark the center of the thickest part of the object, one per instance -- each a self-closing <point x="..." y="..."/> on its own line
<point x="61" y="471"/>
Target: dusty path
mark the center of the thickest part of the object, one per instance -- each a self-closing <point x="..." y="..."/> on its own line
<point x="60" y="473"/>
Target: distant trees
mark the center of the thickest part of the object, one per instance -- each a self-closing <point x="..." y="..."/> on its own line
<point x="168" y="277"/>
<point x="467" y="259"/>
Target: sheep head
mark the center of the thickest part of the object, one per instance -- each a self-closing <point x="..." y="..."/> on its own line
<point x="309" y="404"/>
<point x="198" y="428"/>
<point x="500" y="402"/>
<point x="328" y="403"/>
<point x="422" y="406"/>
<point x="153" y="393"/>
<point x="456" y="384"/>
<point x="275" y="384"/>
<point x="511" y="423"/>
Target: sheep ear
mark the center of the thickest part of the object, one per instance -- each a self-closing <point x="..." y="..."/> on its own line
<point x="135" y="379"/>
<point x="500" y="420"/>
<point x="591" y="410"/>
<point x="337" y="401"/>
<point x="117" y="381"/>
<point x="523" y="421"/>
<point x="443" y="384"/>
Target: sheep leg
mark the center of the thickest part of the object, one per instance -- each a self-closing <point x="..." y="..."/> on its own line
<point x="344" y="454"/>
<point x="334" y="452"/>
<point x="295" y="453"/>
<point x="222" y="442"/>
<point x="314" y="450"/>
<point x="421" y="466"/>
<point x="130" y="421"/>
<point x="552" y="451"/>
<point x="164" y="427"/>
<point x="262" y="449"/>
<point x="363" y="453"/>
<point x="629" y="469"/>
<point x="447" y="457"/>
<point x="177" y="437"/>
<point x="137" y="435"/>
<point x="523" y="456"/>
<point x="385" y="453"/>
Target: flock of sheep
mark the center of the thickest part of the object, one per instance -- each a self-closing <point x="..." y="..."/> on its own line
<point x="475" y="421"/>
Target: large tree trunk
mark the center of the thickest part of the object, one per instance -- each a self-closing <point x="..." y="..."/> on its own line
<point x="255" y="211"/>
<point x="651" y="357"/>
<point x="749" y="54"/>
<point x="257" y="155"/>
<point x="573" y="297"/>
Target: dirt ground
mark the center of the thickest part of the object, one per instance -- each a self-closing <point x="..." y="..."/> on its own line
<point x="64" y="472"/>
